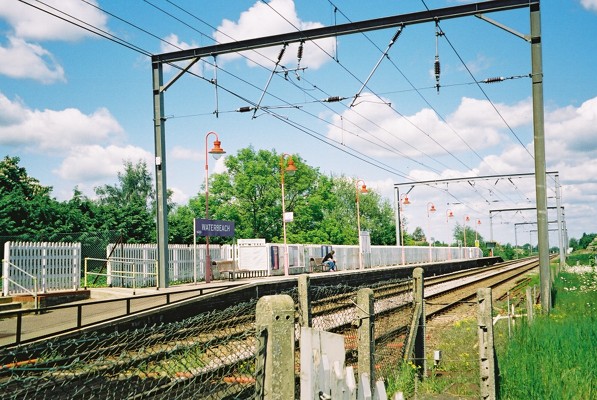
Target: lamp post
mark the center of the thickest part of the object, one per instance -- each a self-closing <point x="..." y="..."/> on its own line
<point x="466" y="219"/>
<point x="363" y="190"/>
<point x="403" y="201"/>
<point x="217" y="152"/>
<point x="290" y="170"/>
<point x="477" y="233"/>
<point x="430" y="209"/>
<point x="449" y="214"/>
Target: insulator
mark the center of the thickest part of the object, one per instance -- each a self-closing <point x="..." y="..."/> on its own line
<point x="299" y="53"/>
<point x="494" y="80"/>
<point x="245" y="109"/>
<point x="398" y="32"/>
<point x="281" y="53"/>
<point x="437" y="68"/>
<point x="333" y="99"/>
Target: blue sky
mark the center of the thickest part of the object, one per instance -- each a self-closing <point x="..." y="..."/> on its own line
<point x="74" y="105"/>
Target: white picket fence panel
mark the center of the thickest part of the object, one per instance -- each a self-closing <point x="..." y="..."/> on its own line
<point x="186" y="264"/>
<point x="323" y="373"/>
<point x="57" y="266"/>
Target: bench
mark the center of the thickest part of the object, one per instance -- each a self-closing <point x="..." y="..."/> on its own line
<point x="316" y="265"/>
<point x="228" y="269"/>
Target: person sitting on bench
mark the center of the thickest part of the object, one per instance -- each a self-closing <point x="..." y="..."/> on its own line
<point x="329" y="261"/>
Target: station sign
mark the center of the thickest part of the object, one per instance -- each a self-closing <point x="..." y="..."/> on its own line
<point x="213" y="227"/>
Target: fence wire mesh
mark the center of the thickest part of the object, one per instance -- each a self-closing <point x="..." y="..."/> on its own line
<point x="213" y="355"/>
<point x="210" y="356"/>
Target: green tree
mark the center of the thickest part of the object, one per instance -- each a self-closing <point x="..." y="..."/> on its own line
<point x="505" y="251"/>
<point x="249" y="193"/>
<point x="459" y="231"/>
<point x="418" y="236"/>
<point x="378" y="218"/>
<point x="127" y="207"/>
<point x="26" y="208"/>
<point x="586" y="240"/>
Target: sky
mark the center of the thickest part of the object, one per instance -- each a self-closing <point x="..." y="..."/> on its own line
<point x="76" y="101"/>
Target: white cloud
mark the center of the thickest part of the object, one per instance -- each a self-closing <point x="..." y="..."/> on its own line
<point x="277" y="16"/>
<point x="55" y="131"/>
<point x="95" y="163"/>
<point x="514" y="159"/>
<point x="33" y="24"/>
<point x="185" y="153"/>
<point x="22" y="60"/>
<point x="174" y="44"/>
<point x="474" y="123"/>
<point x="589" y="4"/>
<point x="570" y="132"/>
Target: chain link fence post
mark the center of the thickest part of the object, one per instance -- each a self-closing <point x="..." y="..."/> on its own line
<point x="419" y="343"/>
<point x="366" y="334"/>
<point x="304" y="299"/>
<point x="486" y="350"/>
<point x="275" y="333"/>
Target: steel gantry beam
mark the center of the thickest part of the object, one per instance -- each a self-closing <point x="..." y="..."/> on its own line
<point x="193" y="55"/>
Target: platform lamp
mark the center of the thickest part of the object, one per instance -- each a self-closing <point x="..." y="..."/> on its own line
<point x="363" y="190"/>
<point x="476" y="231"/>
<point x="290" y="170"/>
<point x="449" y="214"/>
<point x="403" y="201"/>
<point x="430" y="209"/>
<point x="217" y="152"/>
<point x="466" y="219"/>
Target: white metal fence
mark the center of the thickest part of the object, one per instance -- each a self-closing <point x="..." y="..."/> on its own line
<point x="56" y="266"/>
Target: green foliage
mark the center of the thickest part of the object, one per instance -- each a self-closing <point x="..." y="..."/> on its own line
<point x="586" y="240"/>
<point x="554" y="357"/>
<point x="324" y="208"/>
<point x="127" y="207"/>
<point x="581" y="258"/>
<point x="249" y="193"/>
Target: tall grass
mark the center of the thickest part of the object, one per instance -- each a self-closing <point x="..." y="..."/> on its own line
<point x="555" y="357"/>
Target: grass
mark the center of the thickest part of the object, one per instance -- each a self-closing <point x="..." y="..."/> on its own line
<point x="554" y="357"/>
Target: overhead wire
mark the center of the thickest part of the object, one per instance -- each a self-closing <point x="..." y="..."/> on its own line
<point x="230" y="37"/>
<point x="312" y="133"/>
<point x="481" y="89"/>
<point x="131" y="46"/>
<point x="347" y="70"/>
<point x="490" y="80"/>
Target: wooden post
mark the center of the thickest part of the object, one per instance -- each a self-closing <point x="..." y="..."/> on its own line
<point x="275" y="349"/>
<point x="304" y="299"/>
<point x="366" y="334"/>
<point x="486" y="350"/>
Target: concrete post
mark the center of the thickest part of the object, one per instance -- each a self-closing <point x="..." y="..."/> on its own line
<point x="275" y="351"/>
<point x="366" y="334"/>
<point x="305" y="319"/>
<point x="539" y="148"/>
<point x="486" y="350"/>
<point x="419" y="345"/>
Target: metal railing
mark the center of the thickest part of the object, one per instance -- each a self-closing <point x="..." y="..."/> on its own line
<point x="6" y="280"/>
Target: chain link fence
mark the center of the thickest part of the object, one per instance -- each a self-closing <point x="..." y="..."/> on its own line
<point x="213" y="355"/>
